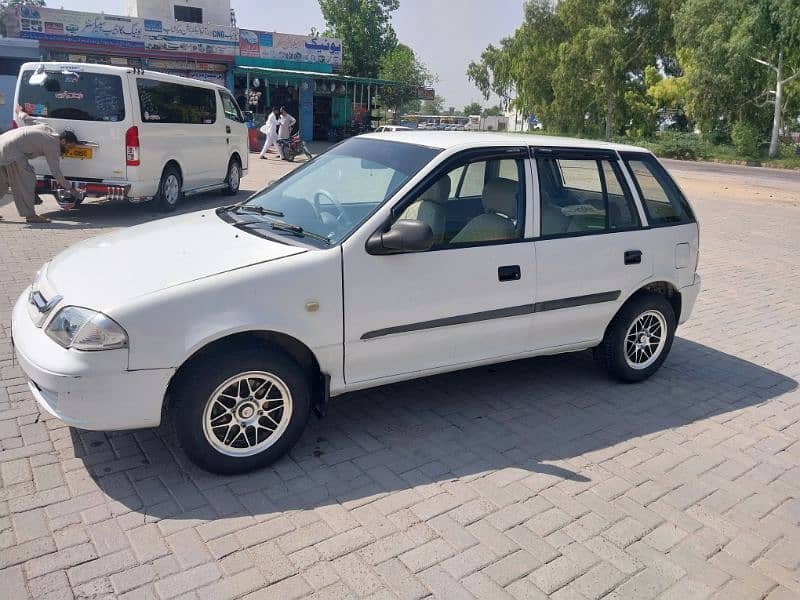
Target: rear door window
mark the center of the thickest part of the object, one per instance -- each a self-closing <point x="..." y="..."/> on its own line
<point x="167" y="102"/>
<point x="663" y="201"/>
<point x="76" y="96"/>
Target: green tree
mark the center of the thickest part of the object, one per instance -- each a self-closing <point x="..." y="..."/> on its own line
<point x="740" y="57"/>
<point x="492" y="111"/>
<point x="573" y="63"/>
<point x="402" y="65"/>
<point x="473" y="108"/>
<point x="6" y="10"/>
<point x="433" y="107"/>
<point x="365" y="28"/>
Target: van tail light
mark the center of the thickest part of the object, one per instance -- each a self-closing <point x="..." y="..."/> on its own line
<point x="14" y="124"/>
<point x="132" y="147"/>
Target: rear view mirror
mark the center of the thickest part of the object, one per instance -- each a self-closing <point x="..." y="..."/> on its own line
<point x="405" y="235"/>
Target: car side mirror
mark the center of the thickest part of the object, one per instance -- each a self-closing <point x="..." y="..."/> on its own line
<point x="405" y="235"/>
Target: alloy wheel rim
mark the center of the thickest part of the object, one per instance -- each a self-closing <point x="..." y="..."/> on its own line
<point x="247" y="413"/>
<point x="645" y="339"/>
<point x="233" y="177"/>
<point x="171" y="189"/>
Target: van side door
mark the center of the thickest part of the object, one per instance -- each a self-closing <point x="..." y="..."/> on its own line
<point x="235" y="134"/>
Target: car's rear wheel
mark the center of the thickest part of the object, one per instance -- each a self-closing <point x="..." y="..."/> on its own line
<point x="241" y="410"/>
<point x="233" y="178"/>
<point x="169" y="189"/>
<point x="639" y="338"/>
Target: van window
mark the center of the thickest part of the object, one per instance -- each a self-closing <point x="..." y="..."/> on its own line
<point x="78" y="96"/>
<point x="167" y="102"/>
<point x="230" y="108"/>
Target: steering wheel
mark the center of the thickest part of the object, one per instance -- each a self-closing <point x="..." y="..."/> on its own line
<point x="342" y="218"/>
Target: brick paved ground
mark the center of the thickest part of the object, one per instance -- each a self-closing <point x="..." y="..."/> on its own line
<point x="535" y="478"/>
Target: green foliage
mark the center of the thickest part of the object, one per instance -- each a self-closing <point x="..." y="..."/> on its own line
<point x="745" y="139"/>
<point x="687" y="146"/>
<point x="473" y="108"/>
<point x="432" y="107"/>
<point x="402" y="65"/>
<point x="365" y="28"/>
<point x="492" y="111"/>
<point x="631" y="67"/>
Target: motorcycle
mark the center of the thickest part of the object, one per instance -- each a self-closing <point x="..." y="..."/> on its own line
<point x="293" y="146"/>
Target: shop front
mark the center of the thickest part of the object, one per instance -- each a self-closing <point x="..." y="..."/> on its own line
<point x="196" y="50"/>
<point x="328" y="106"/>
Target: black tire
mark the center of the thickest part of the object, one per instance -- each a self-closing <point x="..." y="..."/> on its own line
<point x="290" y="154"/>
<point x="233" y="180"/>
<point x="166" y="198"/>
<point x="611" y="353"/>
<point x="199" y="383"/>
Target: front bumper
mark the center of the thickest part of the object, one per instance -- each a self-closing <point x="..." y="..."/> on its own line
<point x="89" y="390"/>
<point x="688" y="297"/>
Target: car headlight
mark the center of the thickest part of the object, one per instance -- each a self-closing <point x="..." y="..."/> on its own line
<point x="84" y="329"/>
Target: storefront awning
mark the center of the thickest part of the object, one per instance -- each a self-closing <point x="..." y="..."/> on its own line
<point x="296" y="74"/>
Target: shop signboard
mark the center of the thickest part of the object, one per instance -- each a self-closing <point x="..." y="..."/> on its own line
<point x="55" y="25"/>
<point x="284" y="46"/>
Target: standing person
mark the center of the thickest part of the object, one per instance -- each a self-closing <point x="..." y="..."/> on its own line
<point x="16" y="148"/>
<point x="287" y="121"/>
<point x="270" y="128"/>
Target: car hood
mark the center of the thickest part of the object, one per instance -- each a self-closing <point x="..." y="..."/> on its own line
<point x="105" y="271"/>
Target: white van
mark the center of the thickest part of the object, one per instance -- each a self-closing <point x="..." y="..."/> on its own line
<point x="144" y="135"/>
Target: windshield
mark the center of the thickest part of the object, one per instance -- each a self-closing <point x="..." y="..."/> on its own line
<point x="334" y="193"/>
<point x="78" y="96"/>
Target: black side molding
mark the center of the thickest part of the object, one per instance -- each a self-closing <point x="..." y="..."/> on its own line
<point x="500" y="313"/>
<point x="577" y="301"/>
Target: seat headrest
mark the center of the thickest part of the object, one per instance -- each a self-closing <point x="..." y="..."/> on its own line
<point x="438" y="192"/>
<point x="500" y="196"/>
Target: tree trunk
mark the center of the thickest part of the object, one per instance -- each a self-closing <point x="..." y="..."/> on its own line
<point x="777" y="114"/>
<point x="609" y="116"/>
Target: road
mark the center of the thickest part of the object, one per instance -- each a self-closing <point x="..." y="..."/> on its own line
<point x="534" y="478"/>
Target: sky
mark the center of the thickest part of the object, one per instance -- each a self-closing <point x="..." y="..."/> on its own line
<point x="445" y="34"/>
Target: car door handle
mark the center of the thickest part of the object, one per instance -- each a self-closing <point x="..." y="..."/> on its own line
<point x="227" y="128"/>
<point x="509" y="273"/>
<point x="633" y="257"/>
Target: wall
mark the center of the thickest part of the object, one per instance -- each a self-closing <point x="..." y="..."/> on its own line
<point x="217" y="12"/>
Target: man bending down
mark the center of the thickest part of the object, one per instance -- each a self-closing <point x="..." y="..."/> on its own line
<point x="17" y="147"/>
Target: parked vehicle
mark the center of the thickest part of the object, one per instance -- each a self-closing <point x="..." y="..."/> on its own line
<point x="144" y="135"/>
<point x="387" y="258"/>
<point x="293" y="146"/>
<point x="387" y="128"/>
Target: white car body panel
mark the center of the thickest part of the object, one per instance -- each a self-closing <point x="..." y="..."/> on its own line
<point x="192" y="280"/>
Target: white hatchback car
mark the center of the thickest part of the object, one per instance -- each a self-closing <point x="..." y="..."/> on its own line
<point x="389" y="257"/>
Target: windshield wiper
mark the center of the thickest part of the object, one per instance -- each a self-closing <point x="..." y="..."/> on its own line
<point x="254" y="208"/>
<point x="297" y="230"/>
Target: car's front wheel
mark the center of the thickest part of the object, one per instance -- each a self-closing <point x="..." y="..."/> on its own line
<point x="241" y="410"/>
<point x="639" y="338"/>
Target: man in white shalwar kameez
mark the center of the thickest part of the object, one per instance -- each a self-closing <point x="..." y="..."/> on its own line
<point x="270" y="129"/>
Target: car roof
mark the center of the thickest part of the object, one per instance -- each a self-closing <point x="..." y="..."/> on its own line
<point x="452" y="139"/>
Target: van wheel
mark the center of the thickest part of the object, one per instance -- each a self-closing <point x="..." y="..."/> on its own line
<point x="241" y="410"/>
<point x="233" y="179"/>
<point x="638" y="339"/>
<point x="169" y="189"/>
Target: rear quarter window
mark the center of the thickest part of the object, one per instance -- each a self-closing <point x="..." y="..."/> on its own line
<point x="663" y="202"/>
<point x="168" y="102"/>
<point x="78" y="96"/>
